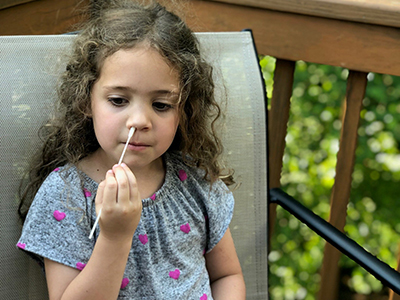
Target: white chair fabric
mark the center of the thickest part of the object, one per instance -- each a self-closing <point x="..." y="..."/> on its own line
<point x="29" y="67"/>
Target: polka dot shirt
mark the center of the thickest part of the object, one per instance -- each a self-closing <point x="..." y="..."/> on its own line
<point x="179" y="224"/>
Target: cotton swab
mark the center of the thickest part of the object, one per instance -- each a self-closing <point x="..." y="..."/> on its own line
<point x="131" y="132"/>
<point x="95" y="224"/>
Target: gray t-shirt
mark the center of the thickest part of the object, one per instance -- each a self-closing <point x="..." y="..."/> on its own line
<point x="179" y="224"/>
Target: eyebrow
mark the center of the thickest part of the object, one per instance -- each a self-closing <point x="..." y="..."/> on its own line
<point x="156" y="92"/>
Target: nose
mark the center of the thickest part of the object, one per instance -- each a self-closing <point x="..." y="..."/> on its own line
<point x="139" y="116"/>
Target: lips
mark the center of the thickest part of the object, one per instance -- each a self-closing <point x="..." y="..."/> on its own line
<point x="136" y="143"/>
<point x="136" y="146"/>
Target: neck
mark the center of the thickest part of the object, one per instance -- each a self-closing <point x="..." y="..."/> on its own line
<point x="152" y="179"/>
<point x="149" y="178"/>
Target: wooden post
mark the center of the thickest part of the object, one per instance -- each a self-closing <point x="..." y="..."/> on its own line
<point x="278" y="117"/>
<point x="356" y="85"/>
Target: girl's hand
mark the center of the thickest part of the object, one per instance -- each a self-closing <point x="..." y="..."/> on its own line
<point x="119" y="199"/>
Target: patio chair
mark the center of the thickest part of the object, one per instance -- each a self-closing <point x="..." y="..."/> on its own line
<point x="29" y="68"/>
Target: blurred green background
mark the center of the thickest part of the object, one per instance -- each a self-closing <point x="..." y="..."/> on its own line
<point x="312" y="143"/>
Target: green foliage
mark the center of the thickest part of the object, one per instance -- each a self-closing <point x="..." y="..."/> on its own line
<point x="308" y="174"/>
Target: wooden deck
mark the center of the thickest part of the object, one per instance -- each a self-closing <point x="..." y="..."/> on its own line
<point x="35" y="17"/>
<point x="361" y="35"/>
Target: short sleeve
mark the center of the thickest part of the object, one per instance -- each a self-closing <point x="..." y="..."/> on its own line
<point x="219" y="212"/>
<point x="58" y="222"/>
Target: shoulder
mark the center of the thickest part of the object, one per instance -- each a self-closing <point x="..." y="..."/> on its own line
<point x="176" y="163"/>
<point x="63" y="175"/>
<point x="193" y="178"/>
<point x="63" y="183"/>
<point x="60" y="179"/>
<point x="68" y="175"/>
<point x="190" y="173"/>
<point x="59" y="219"/>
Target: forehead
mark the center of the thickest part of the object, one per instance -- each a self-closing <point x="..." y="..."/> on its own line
<point x="141" y="66"/>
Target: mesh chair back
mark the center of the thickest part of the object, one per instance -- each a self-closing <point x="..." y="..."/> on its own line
<point x="29" y="67"/>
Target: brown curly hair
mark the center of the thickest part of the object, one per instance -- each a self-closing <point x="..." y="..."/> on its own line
<point x="122" y="25"/>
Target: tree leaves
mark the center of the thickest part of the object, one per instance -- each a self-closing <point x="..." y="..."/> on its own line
<point x="309" y="170"/>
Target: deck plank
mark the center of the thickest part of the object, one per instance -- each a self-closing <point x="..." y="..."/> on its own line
<point x="381" y="12"/>
<point x="41" y="17"/>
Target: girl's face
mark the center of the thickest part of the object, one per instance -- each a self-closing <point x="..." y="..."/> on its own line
<point x="136" y="88"/>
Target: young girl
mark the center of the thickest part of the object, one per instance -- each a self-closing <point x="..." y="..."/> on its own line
<point x="163" y="231"/>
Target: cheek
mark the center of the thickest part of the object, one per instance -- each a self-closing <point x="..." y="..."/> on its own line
<point x="177" y="121"/>
<point x="104" y="130"/>
<point x="170" y="128"/>
<point x="175" y="125"/>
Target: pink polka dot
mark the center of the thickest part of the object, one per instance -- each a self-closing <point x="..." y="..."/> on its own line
<point x="56" y="169"/>
<point x="80" y="266"/>
<point x="185" y="228"/>
<point x="204" y="297"/>
<point x="153" y="197"/>
<point x="182" y="175"/>
<point x="175" y="274"/>
<point x="58" y="215"/>
<point x="87" y="193"/>
<point x="124" y="283"/>
<point x="21" y="245"/>
<point x="143" y="238"/>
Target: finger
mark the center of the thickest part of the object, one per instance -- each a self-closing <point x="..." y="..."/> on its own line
<point x="99" y="196"/>
<point x="133" y="188"/>
<point x="110" y="190"/>
<point x="121" y="177"/>
<point x="100" y="193"/>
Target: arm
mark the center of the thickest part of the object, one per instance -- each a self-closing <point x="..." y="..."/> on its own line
<point x="102" y="276"/>
<point x="225" y="272"/>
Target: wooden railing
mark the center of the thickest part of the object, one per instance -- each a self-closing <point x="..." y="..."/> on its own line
<point x="361" y="35"/>
<point x="34" y="17"/>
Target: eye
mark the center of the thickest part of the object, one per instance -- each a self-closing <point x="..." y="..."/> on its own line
<point x="161" y="106"/>
<point x="117" y="101"/>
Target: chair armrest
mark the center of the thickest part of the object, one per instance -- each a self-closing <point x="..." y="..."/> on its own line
<point x="383" y="272"/>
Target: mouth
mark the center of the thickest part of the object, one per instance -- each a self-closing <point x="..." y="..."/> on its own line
<point x="136" y="146"/>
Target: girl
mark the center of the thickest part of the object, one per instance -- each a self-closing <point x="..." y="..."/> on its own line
<point x="163" y="232"/>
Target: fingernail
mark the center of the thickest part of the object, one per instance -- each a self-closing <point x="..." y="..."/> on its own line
<point x="123" y="165"/>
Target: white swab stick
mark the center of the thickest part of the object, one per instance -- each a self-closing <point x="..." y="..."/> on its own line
<point x="131" y="132"/>
<point x="95" y="224"/>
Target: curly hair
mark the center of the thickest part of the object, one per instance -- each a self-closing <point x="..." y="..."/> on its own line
<point x="120" y="25"/>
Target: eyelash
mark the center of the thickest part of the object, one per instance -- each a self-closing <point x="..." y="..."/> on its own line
<point x="159" y="106"/>
<point x="117" y="101"/>
<point x="164" y="106"/>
